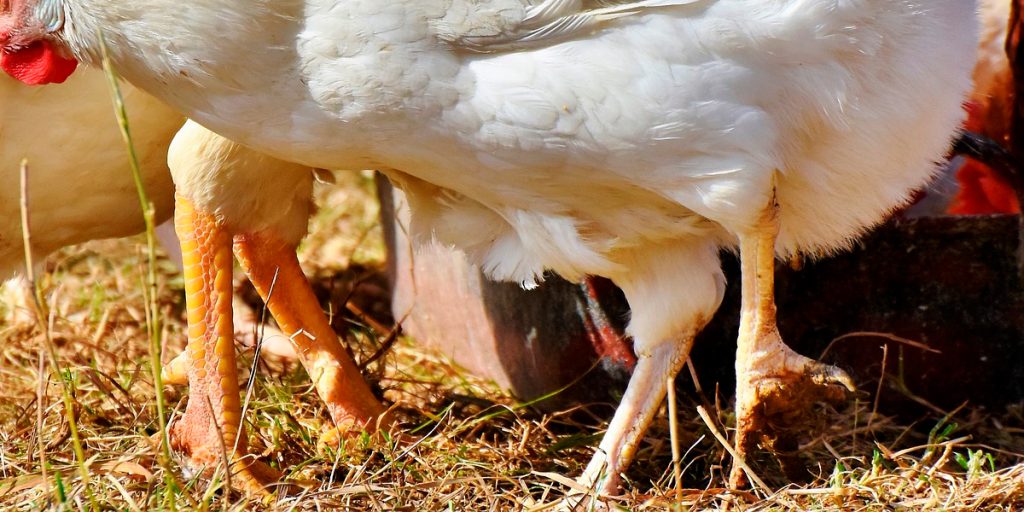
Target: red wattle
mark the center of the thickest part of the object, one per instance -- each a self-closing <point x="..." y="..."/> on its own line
<point x="38" y="64"/>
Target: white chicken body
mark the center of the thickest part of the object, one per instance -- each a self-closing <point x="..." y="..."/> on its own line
<point x="664" y="124"/>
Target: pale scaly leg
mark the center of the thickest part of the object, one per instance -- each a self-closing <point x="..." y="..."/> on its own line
<point x="211" y="429"/>
<point x="646" y="390"/>
<point x="673" y="289"/>
<point x="273" y="269"/>
<point x="772" y="381"/>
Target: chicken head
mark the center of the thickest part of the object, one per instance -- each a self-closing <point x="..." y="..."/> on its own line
<point x="26" y="53"/>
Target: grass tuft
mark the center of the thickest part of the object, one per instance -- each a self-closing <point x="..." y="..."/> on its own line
<point x="153" y="329"/>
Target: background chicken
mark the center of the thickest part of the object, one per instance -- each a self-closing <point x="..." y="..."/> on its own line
<point x="632" y="140"/>
<point x="990" y="110"/>
<point x="80" y="185"/>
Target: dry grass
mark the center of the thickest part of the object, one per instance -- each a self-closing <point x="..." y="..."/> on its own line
<point x="470" y="445"/>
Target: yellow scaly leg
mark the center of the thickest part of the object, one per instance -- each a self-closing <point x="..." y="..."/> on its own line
<point x="772" y="380"/>
<point x="274" y="270"/>
<point x="210" y="430"/>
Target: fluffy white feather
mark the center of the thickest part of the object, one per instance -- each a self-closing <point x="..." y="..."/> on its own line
<point x="278" y="196"/>
<point x="666" y="123"/>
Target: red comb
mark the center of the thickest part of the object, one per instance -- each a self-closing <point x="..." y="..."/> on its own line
<point x="38" y="64"/>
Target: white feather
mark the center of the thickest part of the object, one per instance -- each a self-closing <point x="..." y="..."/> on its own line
<point x="580" y="136"/>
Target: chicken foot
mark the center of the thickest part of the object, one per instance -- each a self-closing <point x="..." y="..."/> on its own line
<point x="773" y="382"/>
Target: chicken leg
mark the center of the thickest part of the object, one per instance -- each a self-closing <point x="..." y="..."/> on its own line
<point x="265" y="229"/>
<point x="208" y="435"/>
<point x="250" y="331"/>
<point x="772" y="381"/>
<point x="646" y="390"/>
<point x="663" y="325"/>
<point x="274" y="270"/>
<point x="211" y="432"/>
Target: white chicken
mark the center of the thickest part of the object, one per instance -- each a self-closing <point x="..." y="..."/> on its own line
<point x="631" y="139"/>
